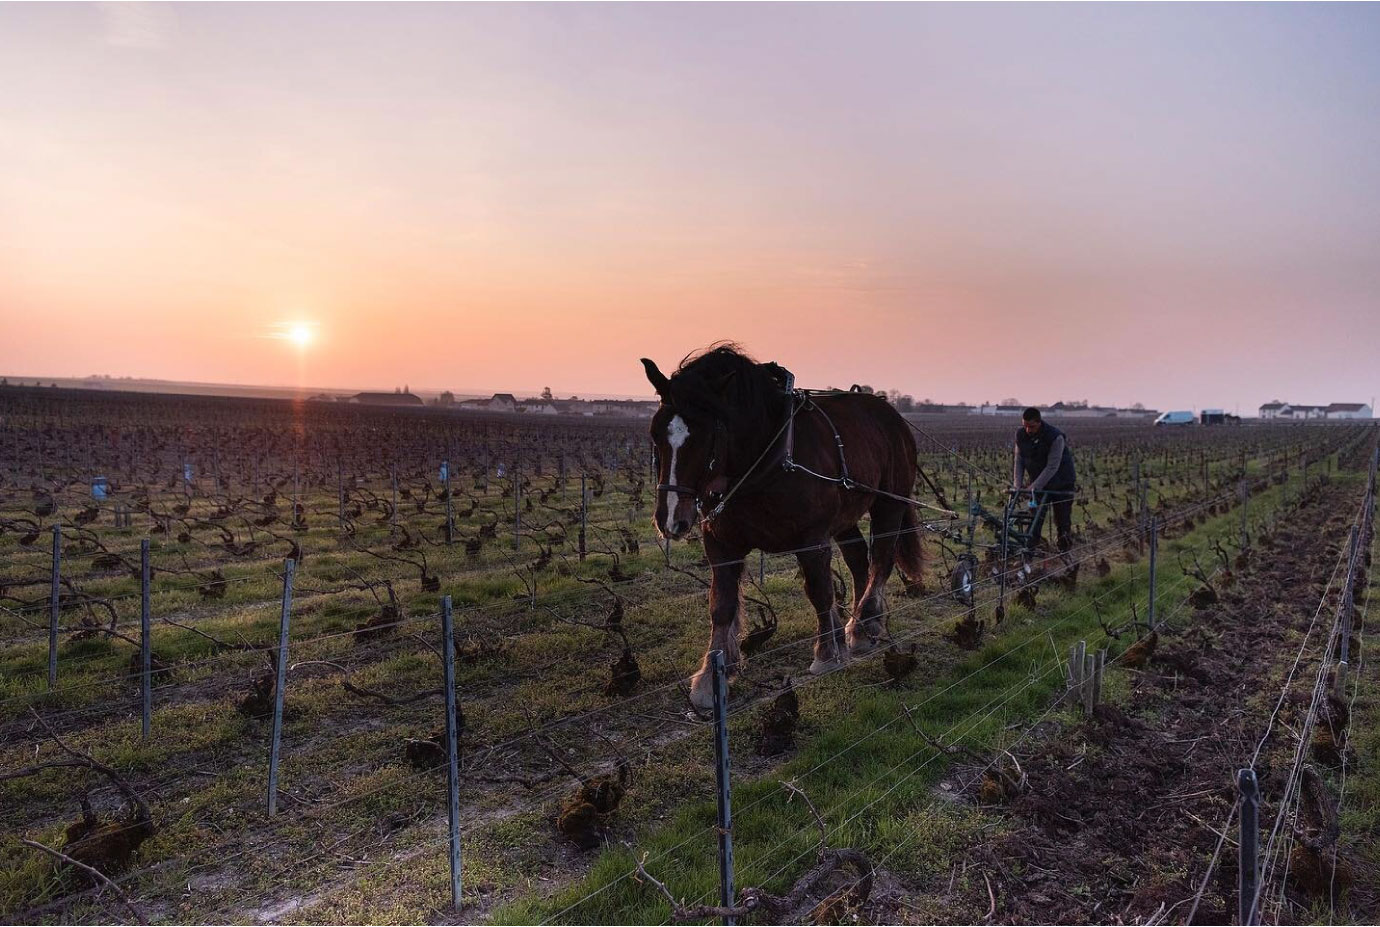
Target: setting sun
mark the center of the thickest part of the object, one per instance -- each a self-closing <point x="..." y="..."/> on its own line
<point x="300" y="334"/>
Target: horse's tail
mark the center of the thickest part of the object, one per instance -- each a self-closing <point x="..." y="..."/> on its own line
<point x="909" y="549"/>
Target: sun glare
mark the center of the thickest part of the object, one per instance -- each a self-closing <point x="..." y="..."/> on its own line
<point x="300" y="334"/>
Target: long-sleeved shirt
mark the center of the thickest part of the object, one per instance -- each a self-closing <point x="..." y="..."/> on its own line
<point x="1056" y="456"/>
<point x="1043" y="459"/>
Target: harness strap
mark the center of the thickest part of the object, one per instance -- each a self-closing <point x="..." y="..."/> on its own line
<point x="718" y="509"/>
<point x="802" y="399"/>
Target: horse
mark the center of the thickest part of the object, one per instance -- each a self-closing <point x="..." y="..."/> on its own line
<point x="760" y="465"/>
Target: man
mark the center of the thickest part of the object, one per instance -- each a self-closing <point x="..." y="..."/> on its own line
<point x="1044" y="466"/>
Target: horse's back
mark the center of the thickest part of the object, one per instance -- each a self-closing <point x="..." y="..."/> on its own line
<point x="875" y="434"/>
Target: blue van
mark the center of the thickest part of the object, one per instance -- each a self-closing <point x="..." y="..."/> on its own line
<point x="1176" y="418"/>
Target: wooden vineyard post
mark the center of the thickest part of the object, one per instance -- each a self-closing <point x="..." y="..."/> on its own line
<point x="54" y="606"/>
<point x="289" y="570"/>
<point x="145" y="644"/>
<point x="721" y="777"/>
<point x="452" y="749"/>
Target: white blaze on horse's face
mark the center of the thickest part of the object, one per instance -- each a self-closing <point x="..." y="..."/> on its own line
<point x="677" y="433"/>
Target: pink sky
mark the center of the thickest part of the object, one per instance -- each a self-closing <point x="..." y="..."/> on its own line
<point x="1174" y="205"/>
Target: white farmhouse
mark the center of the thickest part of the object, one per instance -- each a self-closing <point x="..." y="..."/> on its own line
<point x="1348" y="410"/>
<point x="1299" y="412"/>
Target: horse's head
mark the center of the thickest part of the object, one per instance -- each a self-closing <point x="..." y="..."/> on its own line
<point x="714" y="411"/>
<point x="691" y="447"/>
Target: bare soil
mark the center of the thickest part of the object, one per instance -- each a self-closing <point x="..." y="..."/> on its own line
<point x="1124" y="811"/>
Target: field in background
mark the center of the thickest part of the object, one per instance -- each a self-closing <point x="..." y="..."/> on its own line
<point x="575" y="629"/>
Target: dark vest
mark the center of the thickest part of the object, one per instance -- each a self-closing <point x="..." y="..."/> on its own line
<point x="1035" y="454"/>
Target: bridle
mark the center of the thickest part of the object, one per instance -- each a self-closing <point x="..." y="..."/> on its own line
<point x="719" y="438"/>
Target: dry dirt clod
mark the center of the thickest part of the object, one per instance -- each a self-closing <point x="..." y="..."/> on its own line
<point x="1330" y="732"/>
<point x="1316" y="869"/>
<point x="625" y="674"/>
<point x="430" y="752"/>
<point x="583" y="815"/>
<point x="779" y="720"/>
<point x="899" y="663"/>
<point x="157" y="666"/>
<point x="1139" y="653"/>
<point x="258" y="703"/>
<point x="381" y="625"/>
<point x="106" y="846"/>
<point x="967" y="632"/>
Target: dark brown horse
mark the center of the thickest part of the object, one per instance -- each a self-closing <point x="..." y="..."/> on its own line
<point x="761" y="466"/>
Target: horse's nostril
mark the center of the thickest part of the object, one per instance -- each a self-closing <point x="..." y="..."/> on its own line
<point x="679" y="527"/>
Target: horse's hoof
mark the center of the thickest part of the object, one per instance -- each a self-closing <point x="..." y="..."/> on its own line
<point x="861" y="646"/>
<point x="823" y="666"/>
<point x="702" y="694"/>
<point x="860" y="640"/>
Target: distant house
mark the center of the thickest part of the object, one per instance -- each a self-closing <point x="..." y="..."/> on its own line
<point x="1299" y="412"/>
<point x="1348" y="410"/>
<point x="499" y="402"/>
<point x="546" y="407"/>
<point x="634" y="408"/>
<point x="387" y="399"/>
<point x="989" y="409"/>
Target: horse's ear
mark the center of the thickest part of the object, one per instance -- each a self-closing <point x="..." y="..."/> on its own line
<point x="656" y="377"/>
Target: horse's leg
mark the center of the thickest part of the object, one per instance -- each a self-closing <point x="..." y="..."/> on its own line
<point x="819" y="588"/>
<point x="869" y="620"/>
<point x="726" y="576"/>
<point x="853" y="547"/>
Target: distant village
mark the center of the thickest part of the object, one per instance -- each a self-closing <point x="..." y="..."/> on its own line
<point x="546" y="404"/>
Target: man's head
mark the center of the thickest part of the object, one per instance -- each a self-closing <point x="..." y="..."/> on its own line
<point x="1030" y="420"/>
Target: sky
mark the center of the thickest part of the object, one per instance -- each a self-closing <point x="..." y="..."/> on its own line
<point x="1171" y="204"/>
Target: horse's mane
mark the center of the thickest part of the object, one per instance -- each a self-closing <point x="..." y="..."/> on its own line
<point x="724" y="382"/>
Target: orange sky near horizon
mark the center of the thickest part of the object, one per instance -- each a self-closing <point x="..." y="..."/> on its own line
<point x="965" y="204"/>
